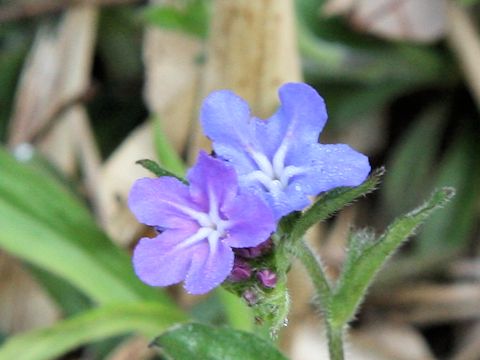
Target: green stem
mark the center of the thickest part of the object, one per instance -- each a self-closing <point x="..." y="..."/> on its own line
<point x="335" y="343"/>
<point x="315" y="271"/>
<point x="324" y="292"/>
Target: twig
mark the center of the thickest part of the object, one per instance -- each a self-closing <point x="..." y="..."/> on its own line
<point x="33" y="9"/>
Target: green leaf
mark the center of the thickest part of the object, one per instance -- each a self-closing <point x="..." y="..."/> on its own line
<point x="400" y="180"/>
<point x="352" y="104"/>
<point x="166" y="153"/>
<point x="198" y="341"/>
<point x="448" y="231"/>
<point x="3" y="337"/>
<point x="45" y="225"/>
<point x="70" y="300"/>
<point x="93" y="325"/>
<point x="468" y="2"/>
<point x="332" y="53"/>
<point x="192" y="18"/>
<point x="366" y="256"/>
<point x="331" y="202"/>
<point x="157" y="169"/>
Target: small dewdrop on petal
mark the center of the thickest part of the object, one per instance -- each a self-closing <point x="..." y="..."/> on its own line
<point x="280" y="157"/>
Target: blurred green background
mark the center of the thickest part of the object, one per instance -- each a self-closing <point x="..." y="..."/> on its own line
<point x="404" y="94"/>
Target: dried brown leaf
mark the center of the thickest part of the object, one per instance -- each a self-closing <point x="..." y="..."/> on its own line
<point x="378" y="341"/>
<point x="135" y="348"/>
<point x="171" y="90"/>
<point x="421" y="21"/>
<point x="23" y="304"/>
<point x="115" y="180"/>
<point x="252" y="50"/>
<point x="464" y="40"/>
<point x="393" y="341"/>
<point x="430" y="303"/>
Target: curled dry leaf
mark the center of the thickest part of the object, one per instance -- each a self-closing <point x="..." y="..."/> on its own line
<point x="134" y="348"/>
<point x="469" y="347"/>
<point x="56" y="71"/>
<point x="171" y="88"/>
<point x="413" y="20"/>
<point x="23" y="303"/>
<point x="115" y="180"/>
<point x="430" y="303"/>
<point x="464" y="40"/>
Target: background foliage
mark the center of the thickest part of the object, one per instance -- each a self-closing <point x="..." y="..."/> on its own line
<point x="408" y="102"/>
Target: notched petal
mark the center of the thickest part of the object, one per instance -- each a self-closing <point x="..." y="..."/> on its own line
<point x="304" y="110"/>
<point x="212" y="178"/>
<point x="158" y="261"/>
<point x="209" y="269"/>
<point x="225" y="118"/>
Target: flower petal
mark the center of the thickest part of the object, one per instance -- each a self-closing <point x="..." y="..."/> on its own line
<point x="212" y="179"/>
<point x="251" y="221"/>
<point x="226" y="120"/>
<point x="160" y="262"/>
<point x="270" y="133"/>
<point x="327" y="166"/>
<point x="304" y="110"/>
<point x="163" y="202"/>
<point x="292" y="198"/>
<point x="300" y="118"/>
<point x="209" y="268"/>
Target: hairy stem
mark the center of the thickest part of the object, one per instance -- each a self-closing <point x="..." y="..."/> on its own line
<point x="335" y="342"/>
<point x="324" y="292"/>
<point x="315" y="271"/>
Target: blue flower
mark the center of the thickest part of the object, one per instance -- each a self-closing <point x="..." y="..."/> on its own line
<point x="200" y="225"/>
<point x="280" y="158"/>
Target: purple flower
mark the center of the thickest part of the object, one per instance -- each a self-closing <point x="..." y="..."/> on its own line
<point x="201" y="224"/>
<point x="280" y="158"/>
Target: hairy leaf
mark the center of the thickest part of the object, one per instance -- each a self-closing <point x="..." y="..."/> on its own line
<point x="198" y="341"/>
<point x="368" y="254"/>
<point x="331" y="202"/>
<point x="157" y="169"/>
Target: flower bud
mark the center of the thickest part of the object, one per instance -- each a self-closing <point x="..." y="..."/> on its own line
<point x="241" y="270"/>
<point x="253" y="252"/>
<point x="250" y="297"/>
<point x="267" y="277"/>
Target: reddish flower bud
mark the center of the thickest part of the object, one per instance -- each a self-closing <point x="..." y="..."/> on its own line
<point x="250" y="297"/>
<point x="241" y="270"/>
<point x="253" y="252"/>
<point x="267" y="277"/>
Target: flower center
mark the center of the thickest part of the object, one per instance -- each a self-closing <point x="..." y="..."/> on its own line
<point x="212" y="226"/>
<point x="273" y="175"/>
